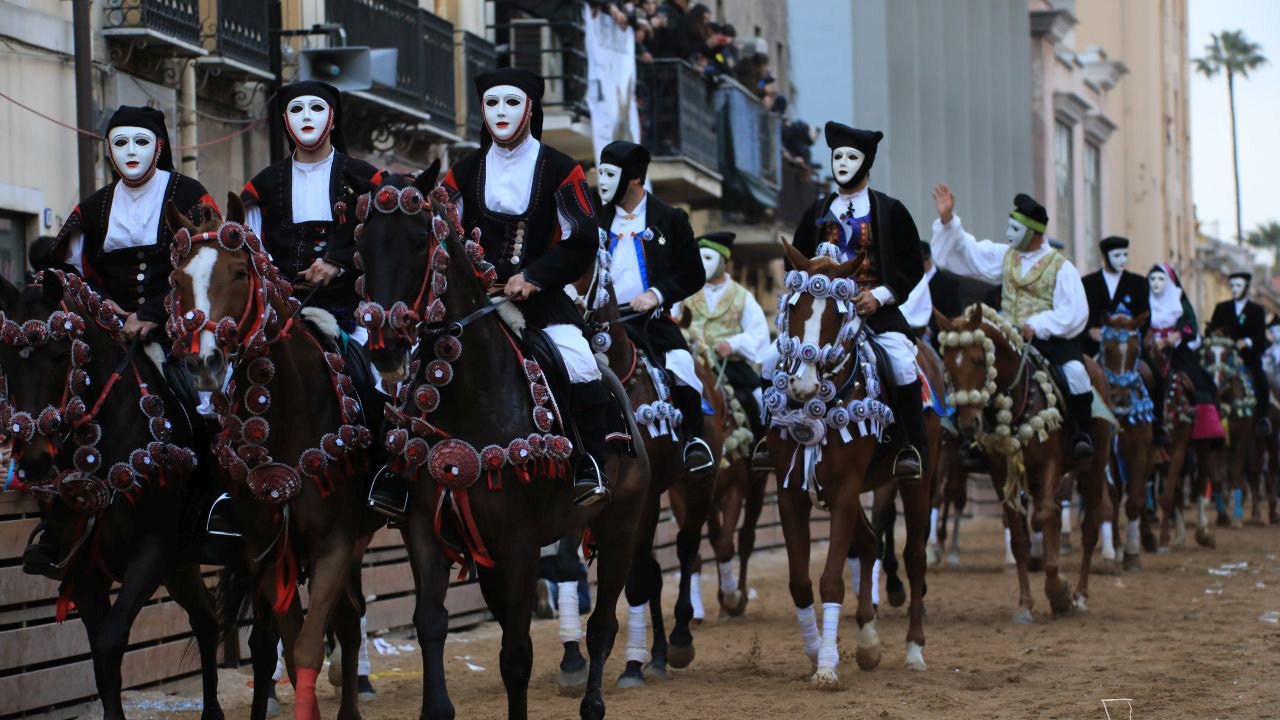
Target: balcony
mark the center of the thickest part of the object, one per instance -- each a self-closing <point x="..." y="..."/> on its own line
<point x="170" y="26"/>
<point x="422" y="101"/>
<point x="678" y="126"/>
<point x="751" y="152"/>
<point x="474" y="56"/>
<point x="239" y="44"/>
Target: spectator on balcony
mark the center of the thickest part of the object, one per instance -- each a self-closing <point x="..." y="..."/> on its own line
<point x="797" y="142"/>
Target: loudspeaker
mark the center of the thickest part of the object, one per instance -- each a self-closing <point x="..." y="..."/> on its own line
<point x="349" y="68"/>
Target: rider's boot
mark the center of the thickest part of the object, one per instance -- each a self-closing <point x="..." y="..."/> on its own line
<point x="699" y="460"/>
<point x="42" y="555"/>
<point x="761" y="461"/>
<point x="591" y="414"/>
<point x="1081" y="412"/>
<point x="908" y="411"/>
<point x="1159" y="433"/>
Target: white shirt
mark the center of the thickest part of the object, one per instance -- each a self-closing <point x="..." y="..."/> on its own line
<point x="135" y="213"/>
<point x="508" y="176"/>
<point x="627" y="283"/>
<point x="753" y="341"/>
<point x="918" y="308"/>
<point x="957" y="251"/>
<point x="1240" y="306"/>
<point x="1112" y="280"/>
<point x="311" y="190"/>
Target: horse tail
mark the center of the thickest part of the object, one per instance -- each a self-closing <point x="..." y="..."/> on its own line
<point x="233" y="596"/>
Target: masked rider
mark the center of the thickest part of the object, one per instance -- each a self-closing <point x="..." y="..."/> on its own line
<point x="877" y="232"/>
<point x="654" y="266"/>
<point x="1042" y="294"/>
<point x="1245" y="322"/>
<point x="538" y="227"/>
<point x="1174" y="328"/>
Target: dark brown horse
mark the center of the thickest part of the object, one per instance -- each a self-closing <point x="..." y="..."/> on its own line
<point x="1238" y="402"/>
<point x="104" y="445"/>
<point x="1129" y="380"/>
<point x="466" y="386"/>
<point x="989" y="366"/>
<point x="1179" y="419"/>
<point x="293" y="446"/>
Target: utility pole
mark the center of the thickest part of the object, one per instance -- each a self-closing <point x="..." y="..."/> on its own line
<point x="85" y="144"/>
<point x="275" y="133"/>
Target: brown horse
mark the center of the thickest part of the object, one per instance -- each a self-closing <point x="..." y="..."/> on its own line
<point x="1237" y="402"/>
<point x="819" y="401"/>
<point x="989" y="366"/>
<point x="690" y="497"/>
<point x="1179" y="420"/>
<point x="467" y="387"/>
<point x="293" y="446"/>
<point x="1129" y="380"/>
<point x="950" y="494"/>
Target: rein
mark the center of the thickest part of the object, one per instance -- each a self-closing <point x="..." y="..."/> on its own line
<point x="1139" y="408"/>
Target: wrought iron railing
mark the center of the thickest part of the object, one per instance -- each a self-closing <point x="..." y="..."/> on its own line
<point x="242" y="32"/>
<point x="552" y="46"/>
<point x="677" y="115"/>
<point x="757" y="144"/>
<point x="178" y="19"/>
<point x="478" y="55"/>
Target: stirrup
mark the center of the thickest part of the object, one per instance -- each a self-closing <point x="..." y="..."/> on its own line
<point x="908" y="465"/>
<point x="590" y="487"/>
<point x="698" y="457"/>
<point x="387" y="496"/>
<point x="216" y="522"/>
<point x="761" y="461"/>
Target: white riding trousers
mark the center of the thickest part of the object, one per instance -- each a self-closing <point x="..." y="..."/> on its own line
<point x="1077" y="377"/>
<point x="576" y="352"/>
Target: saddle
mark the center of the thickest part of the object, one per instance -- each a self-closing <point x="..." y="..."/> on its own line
<point x="535" y="343"/>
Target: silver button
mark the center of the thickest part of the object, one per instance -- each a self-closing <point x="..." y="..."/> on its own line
<point x="141" y="277"/>
<point x="142" y="266"/>
<point x="140" y="290"/>
<point x="142" y="255"/>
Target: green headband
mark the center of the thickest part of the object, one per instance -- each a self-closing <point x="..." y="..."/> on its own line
<point x="713" y="245"/>
<point x="1031" y="224"/>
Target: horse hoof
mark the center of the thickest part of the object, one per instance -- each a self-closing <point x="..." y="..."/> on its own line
<point x="335" y="667"/>
<point x="825" y="679"/>
<point x="632" y="677"/>
<point x="1060" y="602"/>
<point x="1164" y="550"/>
<point x="1080" y="603"/>
<point x="1035" y="564"/>
<point x="1149" y="542"/>
<point x="571" y="682"/>
<point x="915" y="657"/>
<point x="1132" y="562"/>
<point x="1236" y="523"/>
<point x="933" y="554"/>
<point x="734" y="604"/>
<point x="656" y="672"/>
<point x="868" y="658"/>
<point x="1204" y="538"/>
<point x="680" y="656"/>
<point x="1023" y="616"/>
<point x="212" y="712"/>
<point x="953" y="559"/>
<point x="1105" y="567"/>
<point x="1065" y="547"/>
<point x="897" y="596"/>
<point x="273" y="708"/>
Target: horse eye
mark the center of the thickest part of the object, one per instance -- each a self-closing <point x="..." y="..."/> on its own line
<point x="242" y="274"/>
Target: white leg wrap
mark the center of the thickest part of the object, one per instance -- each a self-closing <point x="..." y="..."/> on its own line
<point x="279" y="673"/>
<point x="829" y="655"/>
<point x="362" y="663"/>
<point x="915" y="656"/>
<point x="1037" y="544"/>
<point x="695" y="596"/>
<point x="728" y="578"/>
<point x="570" y="620"/>
<point x="638" y="633"/>
<point x="855" y="570"/>
<point x="1066" y="516"/>
<point x="867" y="636"/>
<point x="1008" y="548"/>
<point x="1108" y="541"/>
<point x="933" y="526"/>
<point x="1132" y="540"/>
<point x="808" y="620"/>
<point x="875" y="583"/>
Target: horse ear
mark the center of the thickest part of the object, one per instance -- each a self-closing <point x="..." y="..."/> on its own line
<point x="427" y="179"/>
<point x="235" y="208"/>
<point x="52" y="289"/>
<point x="975" y="315"/>
<point x="944" y="322"/>
<point x="794" y="256"/>
<point x="174" y="220"/>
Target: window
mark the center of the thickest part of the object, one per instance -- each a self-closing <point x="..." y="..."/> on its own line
<point x="1065" y="181"/>
<point x="13" y="247"/>
<point x="1093" y="200"/>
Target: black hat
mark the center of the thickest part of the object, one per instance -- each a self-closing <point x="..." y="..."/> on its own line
<point x="864" y="141"/>
<point x="1030" y="213"/>
<point x="721" y="242"/>
<point x="1246" y="276"/>
<point x="531" y="83"/>
<point x="1114" y="242"/>
<point x="926" y="250"/>
<point x="329" y="94"/>
<point x="633" y="159"/>
<point x="151" y="119"/>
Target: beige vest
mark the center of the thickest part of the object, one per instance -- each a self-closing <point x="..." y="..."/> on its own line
<point x="1033" y="293"/>
<point x="710" y="327"/>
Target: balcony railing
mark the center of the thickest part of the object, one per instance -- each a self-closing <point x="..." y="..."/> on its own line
<point x="677" y="117"/>
<point x="173" y="20"/>
<point x="478" y="55"/>
<point x="424" y="63"/>
<point x="242" y="33"/>
<point x="756" y="133"/>
<point x="553" y="47"/>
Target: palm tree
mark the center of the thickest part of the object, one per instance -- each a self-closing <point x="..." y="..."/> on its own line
<point x="1266" y="235"/>
<point x="1232" y="53"/>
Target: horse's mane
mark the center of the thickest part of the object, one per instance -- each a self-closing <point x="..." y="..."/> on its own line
<point x="981" y="317"/>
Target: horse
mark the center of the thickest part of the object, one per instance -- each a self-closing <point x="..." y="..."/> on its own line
<point x="1271" y="444"/>
<point x="950" y="494"/>
<point x="464" y="382"/>
<point x="103" y="443"/>
<point x="1130" y="401"/>
<point x="690" y="497"/>
<point x="293" y="447"/>
<point x="823" y="392"/>
<point x="1180" y="421"/>
<point x="990" y="365"/>
<point x="1238" y="403"/>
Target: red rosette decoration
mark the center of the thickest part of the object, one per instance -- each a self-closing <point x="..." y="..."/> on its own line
<point x="440" y="228"/>
<point x="439" y="194"/>
<point x="233" y="428"/>
<point x="540" y="393"/>
<point x="227" y="332"/>
<point x="313" y="462"/>
<point x="387" y="199"/>
<point x="335" y="362"/>
<point x="350" y="408"/>
<point x="396" y="440"/>
<point x="182" y="243"/>
<point x="220" y="404"/>
<point x="439" y="373"/>
<point x="411" y="200"/>
<point x="88" y="434"/>
<point x="537" y="444"/>
<point x="519" y="451"/>
<point x="340" y="211"/>
<point x="78" y="381"/>
<point x="75" y="410"/>
<point x="435" y="312"/>
<point x="49" y="421"/>
<point x="454" y="464"/>
<point x="475" y="251"/>
<point x="253" y="242"/>
<point x="359" y="285"/>
<point x="10" y="333"/>
<point x="364" y="436"/>
<point x="87" y="459"/>
<point x="193" y="321"/>
<point x="22" y="427"/>
<point x="349" y="435"/>
<point x="359" y="231"/>
<point x="346" y="385"/>
<point x="294" y="304"/>
<point x="333" y="446"/>
<point x="362" y="207"/>
<point x="261" y="371"/>
<point x="121" y="476"/>
<point x="256" y="430"/>
<point x="533" y="371"/>
<point x="493" y="457"/>
<point x="80" y="353"/>
<point x="542" y="418"/>
<point x="402" y="391"/>
<point x="234" y="469"/>
<point x="475" y="234"/>
<point x="440" y="259"/>
<point x="370" y="315"/>
<point x="416" y="451"/>
<point x="419" y="427"/>
<point x="427" y="398"/>
<point x="59" y="325"/>
<point x="448" y="348"/>
<point x="231" y="236"/>
<point x="489" y="276"/>
<point x="262" y="265"/>
<point x="257" y="399"/>
<point x="151" y="405"/>
<point x="559" y="447"/>
<point x="439" y="283"/>
<point x="73" y="283"/>
<point x="400" y="316"/>
<point x="394" y="415"/>
<point x="84" y="493"/>
<point x="95" y="301"/>
<point x="274" y="482"/>
<point x="35" y="332"/>
<point x="414" y="366"/>
<point x="106" y="318"/>
<point x="6" y="414"/>
<point x="181" y="459"/>
<point x="253" y="454"/>
<point x="176" y="256"/>
<point x="358" y="261"/>
<point x="140" y="461"/>
<point x="158" y="451"/>
<point x="256" y="346"/>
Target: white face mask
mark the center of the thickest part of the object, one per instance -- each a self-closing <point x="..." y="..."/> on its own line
<point x="1118" y="259"/>
<point x="1238" y="287"/>
<point x="1018" y="234"/>
<point x="310" y="119"/>
<point x="1158" y="282"/>
<point x="845" y="163"/>
<point x="609" y="176"/>
<point x="133" y="152"/>
<point x="505" y="111"/>
<point x="712" y="263"/>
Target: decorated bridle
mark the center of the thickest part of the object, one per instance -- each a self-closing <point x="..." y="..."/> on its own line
<point x="1224" y="364"/>
<point x="1139" y="407"/>
<point x="73" y="421"/>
